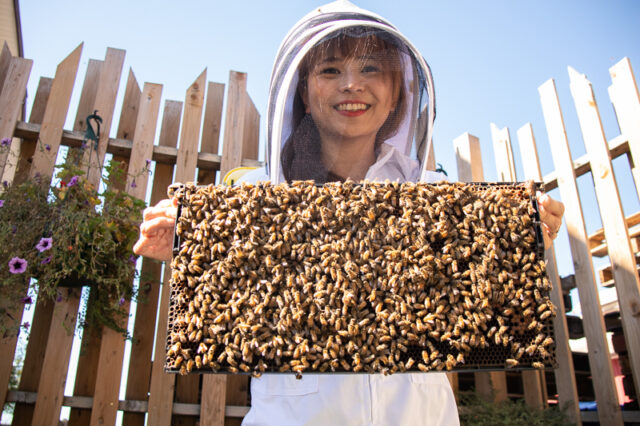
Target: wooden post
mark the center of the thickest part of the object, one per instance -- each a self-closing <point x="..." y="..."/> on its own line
<point x="469" y="160"/>
<point x="106" y="396"/>
<point x="139" y="374"/>
<point x="624" y="95"/>
<point x="565" y="373"/>
<point x="234" y="122"/>
<point x="603" y="381"/>
<point x="613" y="221"/>
<point x="162" y="384"/>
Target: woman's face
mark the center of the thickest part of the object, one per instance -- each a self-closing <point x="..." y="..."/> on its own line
<point x="349" y="98"/>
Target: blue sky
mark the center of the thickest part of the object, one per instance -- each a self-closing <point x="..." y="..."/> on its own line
<point x="488" y="59"/>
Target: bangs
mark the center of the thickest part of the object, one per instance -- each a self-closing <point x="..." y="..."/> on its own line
<point x="352" y="47"/>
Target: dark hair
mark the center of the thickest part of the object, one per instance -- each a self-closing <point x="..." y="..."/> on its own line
<point x="351" y="46"/>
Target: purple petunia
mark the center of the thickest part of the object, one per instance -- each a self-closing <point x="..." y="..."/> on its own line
<point x="44" y="244"/>
<point x="27" y="300"/>
<point x="59" y="297"/>
<point x="47" y="147"/>
<point x="132" y="258"/>
<point x="5" y="142"/>
<point x="17" y="265"/>
<point x="122" y="301"/>
<point x="133" y="184"/>
<point x="26" y="325"/>
<point x="45" y="260"/>
<point x="1" y="203"/>
<point x="73" y="181"/>
<point x="148" y="162"/>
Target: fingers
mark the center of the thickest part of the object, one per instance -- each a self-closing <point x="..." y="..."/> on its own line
<point x="551" y="212"/>
<point x="164" y="208"/>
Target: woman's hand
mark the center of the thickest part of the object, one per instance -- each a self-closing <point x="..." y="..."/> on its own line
<point x="156" y="231"/>
<point x="551" y="212"/>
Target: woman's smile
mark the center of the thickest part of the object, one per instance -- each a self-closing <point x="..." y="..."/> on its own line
<point x="352" y="108"/>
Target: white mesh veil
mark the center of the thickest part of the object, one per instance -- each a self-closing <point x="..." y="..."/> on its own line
<point x="339" y="19"/>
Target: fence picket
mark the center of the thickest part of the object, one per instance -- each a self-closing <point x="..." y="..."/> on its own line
<point x="161" y="392"/>
<point x="624" y="95"/>
<point x="55" y="114"/>
<point x="104" y="105"/>
<point x="603" y="382"/>
<point x="234" y="122"/>
<point x="11" y="99"/>
<point x="614" y="223"/>
<point x="139" y="374"/>
<point x="565" y="373"/>
<point x="188" y="387"/>
<point x="56" y="359"/>
<point x="251" y="133"/>
<point x="5" y="61"/>
<point x="39" y="331"/>
<point x="109" y="368"/>
<point x="211" y="128"/>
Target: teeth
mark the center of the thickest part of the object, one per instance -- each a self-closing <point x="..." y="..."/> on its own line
<point x="351" y="107"/>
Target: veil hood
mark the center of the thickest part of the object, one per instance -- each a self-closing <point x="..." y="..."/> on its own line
<point x="413" y="138"/>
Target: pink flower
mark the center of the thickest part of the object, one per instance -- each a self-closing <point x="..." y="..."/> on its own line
<point x="17" y="265"/>
<point x="44" y="244"/>
<point x="1" y="203"/>
<point x="73" y="181"/>
<point x="45" y="260"/>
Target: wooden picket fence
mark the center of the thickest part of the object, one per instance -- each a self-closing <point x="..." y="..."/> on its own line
<point x="164" y="398"/>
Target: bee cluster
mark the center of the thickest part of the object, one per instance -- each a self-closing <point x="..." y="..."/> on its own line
<point x="345" y="277"/>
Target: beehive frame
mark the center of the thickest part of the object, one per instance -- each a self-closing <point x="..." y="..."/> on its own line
<point x="444" y="248"/>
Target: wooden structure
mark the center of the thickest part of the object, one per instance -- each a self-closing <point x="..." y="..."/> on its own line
<point x="188" y="145"/>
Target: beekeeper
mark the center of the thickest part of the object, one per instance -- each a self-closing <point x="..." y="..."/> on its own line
<point x="350" y="98"/>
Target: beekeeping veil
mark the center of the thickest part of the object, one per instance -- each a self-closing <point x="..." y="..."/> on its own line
<point x="410" y="136"/>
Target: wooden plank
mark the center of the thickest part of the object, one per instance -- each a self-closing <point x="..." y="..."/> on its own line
<point x="234" y="122"/>
<point x="104" y="104"/>
<point x="139" y="374"/>
<point x="565" y="373"/>
<point x="211" y="128"/>
<point x="599" y="359"/>
<point x="56" y="359"/>
<point x="11" y="100"/>
<point x="162" y="384"/>
<point x="212" y="404"/>
<point x="597" y="238"/>
<point x="128" y="406"/>
<point x="467" y="147"/>
<point x="251" y="131"/>
<point x="634" y="234"/>
<point x="56" y="112"/>
<point x="27" y="147"/>
<point x="625" y="97"/>
<point x="39" y="332"/>
<point x="5" y="61"/>
<point x="130" y="108"/>
<point x="606" y="273"/>
<point x="109" y="373"/>
<point x="122" y="147"/>
<point x="613" y="220"/>
<point x="187" y="387"/>
<point x="88" y="95"/>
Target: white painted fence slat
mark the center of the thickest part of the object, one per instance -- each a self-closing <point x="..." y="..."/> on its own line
<point x="565" y="373"/>
<point x="615" y="226"/>
<point x="599" y="360"/>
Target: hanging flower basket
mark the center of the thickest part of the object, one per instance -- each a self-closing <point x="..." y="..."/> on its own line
<point x="69" y="234"/>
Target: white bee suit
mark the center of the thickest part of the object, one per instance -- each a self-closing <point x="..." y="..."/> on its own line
<point x="352" y="399"/>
